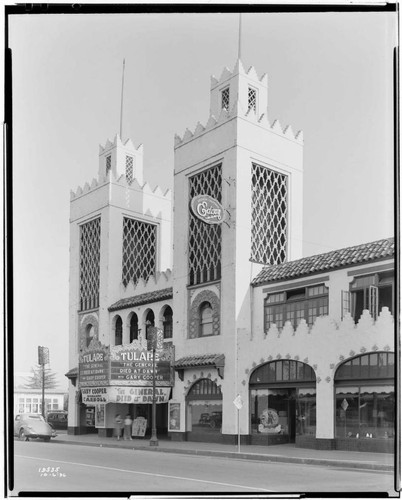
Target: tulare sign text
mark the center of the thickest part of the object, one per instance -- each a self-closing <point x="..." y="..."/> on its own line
<point x="207" y="209"/>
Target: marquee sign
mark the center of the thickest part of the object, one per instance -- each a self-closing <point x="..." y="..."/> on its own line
<point x="92" y="396"/>
<point x="132" y="366"/>
<point x="207" y="209"/>
<point x="129" y="365"/>
<point x="93" y="367"/>
<point x="138" y="395"/>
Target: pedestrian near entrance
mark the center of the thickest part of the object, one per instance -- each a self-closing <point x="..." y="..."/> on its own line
<point x="118" y="425"/>
<point x="128" y="421"/>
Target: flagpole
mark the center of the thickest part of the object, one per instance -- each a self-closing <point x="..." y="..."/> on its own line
<point x="239" y="51"/>
<point x="121" y="106"/>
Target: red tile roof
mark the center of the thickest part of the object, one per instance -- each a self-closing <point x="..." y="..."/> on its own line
<point x="200" y="360"/>
<point x="360" y="254"/>
<point x="144" y="298"/>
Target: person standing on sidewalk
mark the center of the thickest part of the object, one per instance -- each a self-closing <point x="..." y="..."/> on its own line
<point x="118" y="425"/>
<point x="128" y="421"/>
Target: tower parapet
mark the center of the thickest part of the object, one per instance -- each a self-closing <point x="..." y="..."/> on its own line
<point x="121" y="158"/>
<point x="241" y="94"/>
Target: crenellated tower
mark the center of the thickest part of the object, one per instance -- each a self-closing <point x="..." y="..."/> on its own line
<point x="253" y="168"/>
<point x="121" y="159"/>
<point x="120" y="236"/>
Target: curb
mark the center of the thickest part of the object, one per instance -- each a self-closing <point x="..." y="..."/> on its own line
<point x="243" y="456"/>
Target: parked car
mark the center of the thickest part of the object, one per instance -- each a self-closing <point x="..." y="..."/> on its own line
<point x="32" y="425"/>
<point x="204" y="419"/>
<point x="216" y="419"/>
<point x="57" y="419"/>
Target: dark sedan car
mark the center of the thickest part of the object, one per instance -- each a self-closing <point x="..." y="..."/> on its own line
<point x="57" y="419"/>
<point x="32" y="425"/>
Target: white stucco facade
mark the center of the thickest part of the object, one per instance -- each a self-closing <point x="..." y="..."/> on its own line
<point x="212" y="276"/>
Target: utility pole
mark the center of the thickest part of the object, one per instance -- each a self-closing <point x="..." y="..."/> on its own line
<point x="43" y="358"/>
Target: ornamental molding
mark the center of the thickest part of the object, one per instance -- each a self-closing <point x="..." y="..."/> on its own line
<point x="88" y="319"/>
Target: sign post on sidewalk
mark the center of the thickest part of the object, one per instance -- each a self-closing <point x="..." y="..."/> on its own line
<point x="238" y="402"/>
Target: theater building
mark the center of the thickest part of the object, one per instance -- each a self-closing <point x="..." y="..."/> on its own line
<point x="297" y="350"/>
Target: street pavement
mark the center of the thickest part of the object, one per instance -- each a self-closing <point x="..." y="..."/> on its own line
<point x="275" y="453"/>
<point x="41" y="467"/>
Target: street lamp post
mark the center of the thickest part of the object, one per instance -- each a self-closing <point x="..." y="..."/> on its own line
<point x="154" y="439"/>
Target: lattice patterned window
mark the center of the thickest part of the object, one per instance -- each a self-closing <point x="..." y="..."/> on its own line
<point x="129" y="169"/>
<point x="205" y="239"/>
<point x="269" y="216"/>
<point x="139" y="250"/>
<point x="252" y="99"/>
<point x="89" y="264"/>
<point x="108" y="164"/>
<point x="225" y="98"/>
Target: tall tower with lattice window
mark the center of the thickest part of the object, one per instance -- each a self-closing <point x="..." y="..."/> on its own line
<point x="252" y="169"/>
<point x="120" y="234"/>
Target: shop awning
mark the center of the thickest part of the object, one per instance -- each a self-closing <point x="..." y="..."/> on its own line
<point x="215" y="360"/>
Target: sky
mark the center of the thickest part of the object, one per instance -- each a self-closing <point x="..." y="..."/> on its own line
<point x="329" y="74"/>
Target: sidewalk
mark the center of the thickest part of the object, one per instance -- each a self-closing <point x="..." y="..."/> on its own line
<point x="287" y="453"/>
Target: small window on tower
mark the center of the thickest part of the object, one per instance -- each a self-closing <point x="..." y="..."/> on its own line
<point x="129" y="169"/>
<point x="225" y="98"/>
<point x="252" y="99"/>
<point x="108" y="164"/>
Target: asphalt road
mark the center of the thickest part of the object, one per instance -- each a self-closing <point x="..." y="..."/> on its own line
<point x="52" y="467"/>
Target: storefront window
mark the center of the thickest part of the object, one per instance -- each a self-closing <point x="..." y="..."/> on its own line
<point x="283" y="411"/>
<point x="206" y="416"/>
<point x="283" y="399"/>
<point x="365" y="412"/>
<point x="204" y="407"/>
<point x="365" y="397"/>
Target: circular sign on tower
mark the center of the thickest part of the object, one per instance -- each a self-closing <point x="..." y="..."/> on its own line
<point x="207" y="209"/>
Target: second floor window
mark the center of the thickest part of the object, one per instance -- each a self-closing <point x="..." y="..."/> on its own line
<point x="294" y="305"/>
<point x="371" y="292"/>
<point x="149" y="321"/>
<point x="133" y="327"/>
<point x="168" y="323"/>
<point x="118" y="331"/>
<point x="206" y="319"/>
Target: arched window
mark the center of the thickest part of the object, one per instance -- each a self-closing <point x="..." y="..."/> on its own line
<point x="89" y="334"/>
<point x="149" y="321"/>
<point x="168" y="323"/>
<point x="365" y="396"/>
<point x="205" y="319"/>
<point x="204" y="401"/>
<point x="282" y="401"/>
<point x="283" y="371"/>
<point x="118" y="331"/>
<point x="133" y="327"/>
